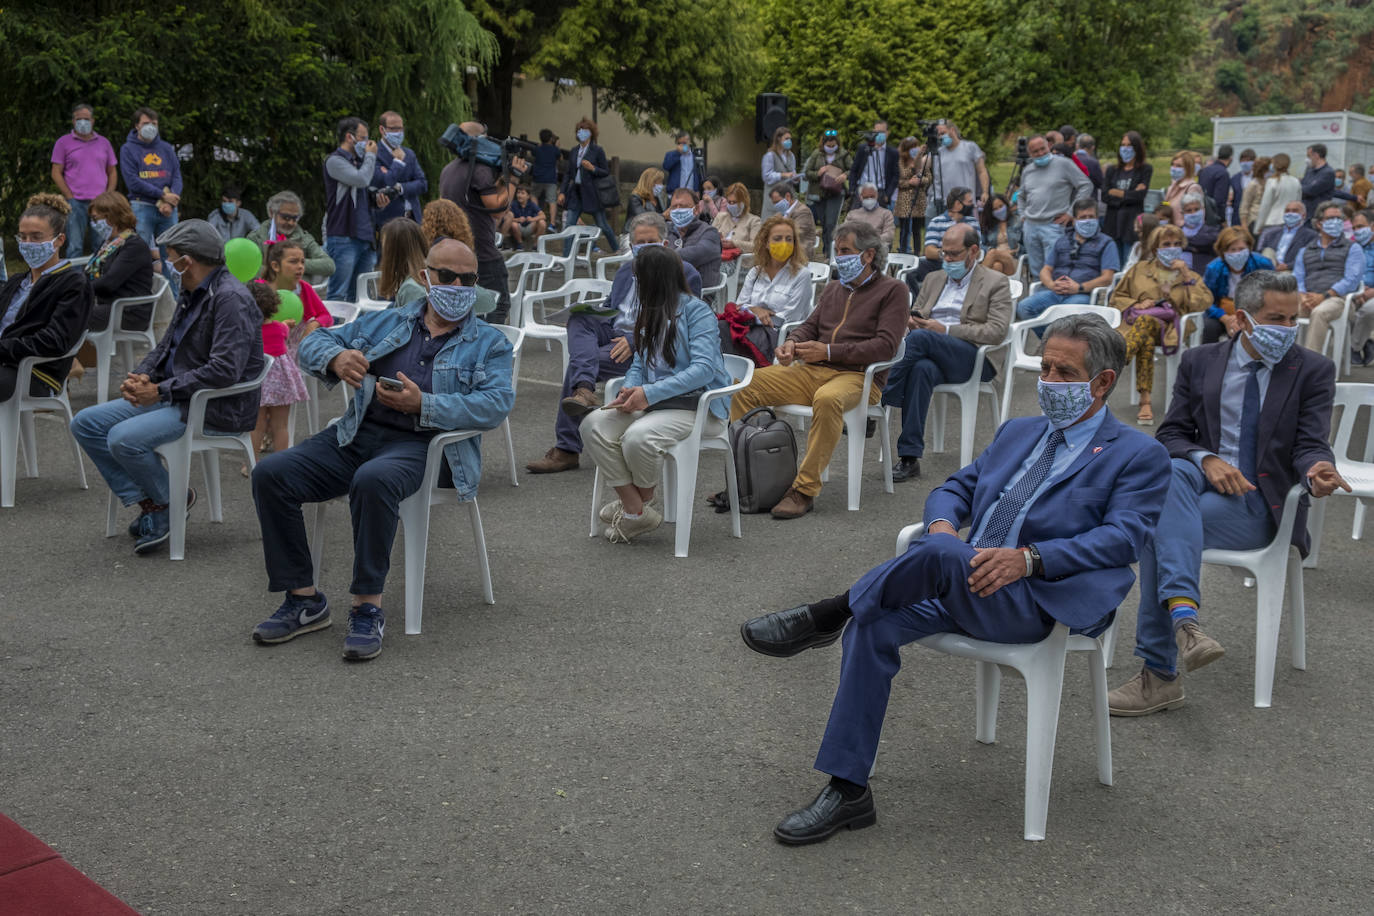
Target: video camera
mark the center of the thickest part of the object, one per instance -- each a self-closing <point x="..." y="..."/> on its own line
<point x="1022" y="151"/>
<point x="488" y="151"/>
<point x="930" y="131"/>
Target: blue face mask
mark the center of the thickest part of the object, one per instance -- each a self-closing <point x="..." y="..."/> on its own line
<point x="658" y="189"/>
<point x="787" y="144"/>
<point x="946" y="141"/>
<point x="395" y="138"/>
<point x="880" y="138"/>
<point x="636" y="249"/>
<point x="1042" y="161"/>
<point x="1176" y="172"/>
<point x="1236" y="260"/>
<point x="1340" y="182"/>
<point x="1332" y="228"/>
<point x="36" y="254"/>
<point x="1363" y="235"/>
<point x="1193" y="220"/>
<point x="1247" y="167"/>
<point x="1271" y="341"/>
<point x="229" y="208"/>
<point x="1086" y="227"/>
<point x="1167" y="256"/>
<point x="1127" y="153"/>
<point x="681" y="216"/>
<point x="1064" y="403"/>
<point x="849" y="267"/>
<point x="780" y="205"/>
<point x="583" y="135"/>
<point x="452" y="303"/>
<point x="1292" y="220"/>
<point x="955" y="269"/>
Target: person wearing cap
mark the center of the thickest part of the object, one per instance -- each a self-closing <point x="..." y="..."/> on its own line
<point x="416" y="370"/>
<point x="214" y="341"/>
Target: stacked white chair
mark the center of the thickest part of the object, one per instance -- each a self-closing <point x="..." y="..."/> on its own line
<point x="1358" y="472"/>
<point x="1018" y="359"/>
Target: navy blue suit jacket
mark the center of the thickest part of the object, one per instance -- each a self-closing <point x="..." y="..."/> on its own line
<point x="1295" y="421"/>
<point x="1269" y="238"/>
<point x="1237" y="191"/>
<point x="1089" y="526"/>
<point x="411" y="179"/>
<point x="887" y="188"/>
<point x="672" y="161"/>
<point x="1216" y="184"/>
<point x="583" y="195"/>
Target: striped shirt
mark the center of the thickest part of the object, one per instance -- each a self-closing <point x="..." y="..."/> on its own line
<point x="937" y="226"/>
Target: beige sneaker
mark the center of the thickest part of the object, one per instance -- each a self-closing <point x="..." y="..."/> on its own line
<point x="623" y="529"/>
<point x="1145" y="693"/>
<point x="1196" y="648"/>
<point x="609" y="511"/>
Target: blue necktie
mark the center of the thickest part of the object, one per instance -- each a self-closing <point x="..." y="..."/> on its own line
<point x="1009" y="506"/>
<point x="1249" y="422"/>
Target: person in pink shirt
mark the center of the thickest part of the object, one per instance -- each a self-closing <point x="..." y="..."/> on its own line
<point x="83" y="167"/>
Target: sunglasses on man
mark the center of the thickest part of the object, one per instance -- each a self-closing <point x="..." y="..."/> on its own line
<point x="446" y="277"/>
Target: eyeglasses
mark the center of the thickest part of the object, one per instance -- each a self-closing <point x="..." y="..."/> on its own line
<point x="446" y="277"/>
<point x="953" y="255"/>
<point x="288" y="217"/>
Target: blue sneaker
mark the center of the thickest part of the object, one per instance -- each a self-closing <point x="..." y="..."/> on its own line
<point x="366" y="623"/>
<point x="296" y="615"/>
<point x="154" y="528"/>
<point x="134" y="525"/>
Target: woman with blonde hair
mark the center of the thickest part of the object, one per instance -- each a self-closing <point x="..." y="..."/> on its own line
<point x="1254" y="192"/>
<point x="1279" y="191"/>
<point x="645" y="196"/>
<point x="1153" y="296"/>
<point x="443" y="219"/>
<point x="776" y="290"/>
<point x="1182" y="172"/>
<point x="402" y="259"/>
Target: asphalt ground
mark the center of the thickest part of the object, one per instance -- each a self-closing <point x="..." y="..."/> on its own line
<point x="600" y="740"/>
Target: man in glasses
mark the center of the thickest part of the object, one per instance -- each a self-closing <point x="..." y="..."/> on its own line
<point x="416" y="371"/>
<point x="284" y="215"/>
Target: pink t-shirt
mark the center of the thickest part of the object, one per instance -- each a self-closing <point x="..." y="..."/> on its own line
<point x="274" y="334"/>
<point x="85" y="164"/>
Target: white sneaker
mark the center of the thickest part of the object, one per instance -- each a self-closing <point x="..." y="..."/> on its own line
<point x="609" y="511"/>
<point x="622" y="529"/>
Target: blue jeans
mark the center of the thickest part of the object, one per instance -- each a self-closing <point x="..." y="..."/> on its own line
<point x="1038" y="239"/>
<point x="1034" y="306"/>
<point x="377" y="470"/>
<point x="931" y="359"/>
<point x="351" y="257"/>
<point x="120" y="439"/>
<point x="589" y="362"/>
<point x="1195" y="517"/>
<point x="573" y="214"/>
<point x="149" y="224"/>
<point x="78" y="221"/>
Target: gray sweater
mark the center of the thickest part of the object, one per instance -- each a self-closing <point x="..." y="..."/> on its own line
<point x="1049" y="191"/>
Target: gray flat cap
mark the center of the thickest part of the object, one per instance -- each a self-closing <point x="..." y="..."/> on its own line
<point x="197" y="238"/>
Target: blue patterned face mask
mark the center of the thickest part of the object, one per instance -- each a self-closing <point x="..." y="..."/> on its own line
<point x="681" y="216"/>
<point x="36" y="254"/>
<point x="1271" y="341"/>
<point x="1064" y="403"/>
<point x="849" y="267"/>
<point x="452" y="303"/>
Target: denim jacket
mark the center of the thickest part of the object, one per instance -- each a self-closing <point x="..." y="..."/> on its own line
<point x="696" y="348"/>
<point x="473" y="388"/>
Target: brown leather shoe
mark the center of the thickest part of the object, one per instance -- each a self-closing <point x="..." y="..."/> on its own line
<point x="581" y="402"/>
<point x="794" y="504"/>
<point x="554" y="460"/>
<point x="1195" y="647"/>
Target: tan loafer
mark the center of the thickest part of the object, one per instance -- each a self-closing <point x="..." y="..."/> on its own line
<point x="580" y="403"/>
<point x="554" y="460"/>
<point x="1196" y="648"/>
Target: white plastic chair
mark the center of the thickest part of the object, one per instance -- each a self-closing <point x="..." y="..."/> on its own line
<point x="177" y="454"/>
<point x="1042" y="666"/>
<point x="1336" y="334"/>
<point x="414" y="513"/>
<point x="591" y="234"/>
<point x="968" y="394"/>
<point x="1171" y="364"/>
<point x="606" y="267"/>
<point x="320" y="288"/>
<point x="711" y="296"/>
<point x="1350" y="397"/>
<point x="856" y="422"/>
<point x="1271" y="566"/>
<point x="820" y="276"/>
<point x="574" y="292"/>
<point x="16" y="425"/>
<point x="680" y="464"/>
<point x="113" y="336"/>
<point x="1017" y="358"/>
<point x="898" y="262"/>
<point x="551" y="247"/>
<point x="743" y="265"/>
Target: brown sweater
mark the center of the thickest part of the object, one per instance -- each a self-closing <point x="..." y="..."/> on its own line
<point x="862" y="325"/>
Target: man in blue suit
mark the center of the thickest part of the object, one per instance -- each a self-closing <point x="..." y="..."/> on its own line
<point x="1060" y="506"/>
<point x="681" y="167"/>
<point x="1249" y="419"/>
<point x="397" y="167"/>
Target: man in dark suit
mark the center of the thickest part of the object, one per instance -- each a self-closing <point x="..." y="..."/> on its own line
<point x="876" y="162"/>
<point x="1320" y="178"/>
<point x="680" y="166"/>
<point x="1060" y="507"/>
<point x="1215" y="179"/>
<point x="1249" y="419"/>
<point x="1240" y="181"/>
<point x="1281" y="244"/>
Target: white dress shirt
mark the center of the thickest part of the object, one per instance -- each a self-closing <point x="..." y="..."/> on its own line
<point x="951" y="302"/>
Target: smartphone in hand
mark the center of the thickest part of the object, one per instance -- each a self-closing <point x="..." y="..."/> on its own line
<point x="391" y="384"/>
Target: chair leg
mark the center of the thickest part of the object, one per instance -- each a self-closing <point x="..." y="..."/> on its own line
<point x="1044" y="686"/>
<point x="885" y="448"/>
<point x="102" y="372"/>
<point x="415" y="522"/>
<point x="682" y="494"/>
<point x="732" y="491"/>
<point x="987" y="693"/>
<point x="510" y="452"/>
<point x="209" y="461"/>
<point x="1316" y="523"/>
<point x="1102" y="719"/>
<point x="1268" y="610"/>
<point x="178" y="475"/>
<point x="1298" y="612"/>
<point x="9" y="450"/>
<point x="312" y="409"/>
<point x="317" y="530"/>
<point x="1357" y="527"/>
<point x="479" y="540"/>
<point x="1109" y="646"/>
<point x="935" y="425"/>
<point x="968" y="421"/>
<point x="111" y="516"/>
<point x="855" y="443"/>
<point x="28" y="443"/>
<point x="596" y="494"/>
<point x="76" y="446"/>
<point x="1006" y="392"/>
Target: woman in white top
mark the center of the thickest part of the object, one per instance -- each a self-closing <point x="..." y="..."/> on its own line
<point x="780" y="163"/>
<point x="776" y="290"/>
<point x="1280" y="189"/>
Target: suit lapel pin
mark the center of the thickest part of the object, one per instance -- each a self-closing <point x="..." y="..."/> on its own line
<point x="1097" y="449"/>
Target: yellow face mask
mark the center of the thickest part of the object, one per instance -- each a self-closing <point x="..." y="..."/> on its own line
<point x="781" y="251"/>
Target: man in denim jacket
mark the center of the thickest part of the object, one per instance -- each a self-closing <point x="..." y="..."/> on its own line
<point x="454" y="372"/>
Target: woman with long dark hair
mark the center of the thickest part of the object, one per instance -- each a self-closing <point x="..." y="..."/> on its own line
<point x="1125" y="185"/>
<point x="676" y="358"/>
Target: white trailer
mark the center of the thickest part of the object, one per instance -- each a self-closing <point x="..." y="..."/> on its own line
<point x="1348" y="137"/>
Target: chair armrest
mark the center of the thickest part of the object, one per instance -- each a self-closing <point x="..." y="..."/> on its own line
<point x="435" y="454"/>
<point x="26" y="364"/>
<point x="874" y="368"/>
<point x="195" y="412"/>
<point x="907" y="535"/>
<point x="715" y="394"/>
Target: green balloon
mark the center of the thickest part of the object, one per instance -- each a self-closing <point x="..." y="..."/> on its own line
<point x="291" y="307"/>
<point x="243" y="258"/>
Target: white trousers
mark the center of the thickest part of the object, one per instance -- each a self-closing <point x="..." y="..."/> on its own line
<point x="629" y="447"/>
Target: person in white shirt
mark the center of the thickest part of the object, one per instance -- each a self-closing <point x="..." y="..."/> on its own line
<point x="777" y="290"/>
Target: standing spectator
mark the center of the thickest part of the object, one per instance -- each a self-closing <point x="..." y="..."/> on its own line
<point x="121" y="267"/>
<point x="348" y="229"/>
<point x="527" y="220"/>
<point x="83" y="167"/>
<point x="1199" y="236"/>
<point x="1244" y="177"/>
<point x="1360" y="185"/>
<point x="1127" y="182"/>
<point x="680" y="165"/>
<point x="443" y="219"/>
<point x="913" y="181"/>
<point x="868" y="211"/>
<point x="475" y="187"/>
<point x="827" y="169"/>
<point x="1248" y="210"/>
<point x="1362" y="337"/>
<point x="1080" y="262"/>
<point x="1048" y="189"/>
<point x="645" y="196"/>
<point x="230" y="220"/>
<point x="1086" y="157"/>
<point x="1182" y="169"/>
<point x="1001" y="231"/>
<point x="779" y="162"/>
<point x="1319" y="180"/>
<point x="875" y="163"/>
<point x="1280" y="189"/>
<point x="586" y="163"/>
<point x="1069" y="133"/>
<point x="782" y="201"/>
<point x="284" y="213"/>
<point x="1221" y="276"/>
<point x="152" y="175"/>
<point x="544" y="173"/>
<point x="1215" y="178"/>
<point x="1328" y="270"/>
<point x="1282" y="243"/>
<point x="736" y="225"/>
<point x="777" y="290"/>
<point x="958" y="209"/>
<point x="697" y="242"/>
<point x="397" y="166"/>
<point x="961" y="164"/>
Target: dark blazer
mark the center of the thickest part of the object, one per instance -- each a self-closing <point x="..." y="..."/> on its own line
<point x="408" y="175"/>
<point x="1216" y="184"/>
<point x="128" y="273"/>
<point x="1269" y="238"/>
<point x="701" y="248"/>
<point x="1295" y="420"/>
<point x="221" y="346"/>
<point x="887" y="187"/>
<point x="583" y="196"/>
<point x="1122" y="211"/>
<point x="1237" y="191"/>
<point x="49" y="323"/>
<point x="1089" y="525"/>
<point x="1317" y="185"/>
<point x="672" y="160"/>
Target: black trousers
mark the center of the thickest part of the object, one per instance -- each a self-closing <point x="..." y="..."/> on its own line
<point x="492" y="275"/>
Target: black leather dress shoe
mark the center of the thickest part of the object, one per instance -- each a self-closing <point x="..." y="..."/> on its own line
<point x="786" y="633"/>
<point x="906" y="469"/>
<point x="827" y="814"/>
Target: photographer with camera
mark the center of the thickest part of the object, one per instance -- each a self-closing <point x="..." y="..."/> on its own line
<point x="398" y="176"/>
<point x="875" y="163"/>
<point x="1048" y="189"/>
<point x="348" y="227"/>
<point x="471" y="182"/>
<point x="960" y="164"/>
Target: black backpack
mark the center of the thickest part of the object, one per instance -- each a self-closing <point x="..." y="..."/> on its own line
<point x="765" y="452"/>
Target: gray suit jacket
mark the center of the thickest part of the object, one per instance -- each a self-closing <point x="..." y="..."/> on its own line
<point x="987" y="307"/>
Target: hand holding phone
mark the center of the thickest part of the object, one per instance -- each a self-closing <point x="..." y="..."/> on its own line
<point x="391" y="384"/>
